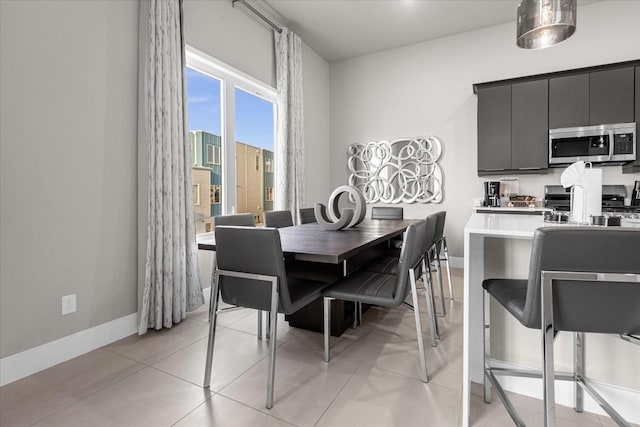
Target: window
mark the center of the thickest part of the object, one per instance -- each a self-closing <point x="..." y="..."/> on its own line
<point x="268" y="191"/>
<point x="196" y="194"/>
<point x="213" y="154"/>
<point x="215" y="194"/>
<point x="232" y="125"/>
<point x="268" y="166"/>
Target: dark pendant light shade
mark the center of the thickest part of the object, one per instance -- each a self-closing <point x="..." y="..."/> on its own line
<point x="543" y="23"/>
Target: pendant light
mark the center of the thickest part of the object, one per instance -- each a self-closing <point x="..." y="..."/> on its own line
<point x="543" y="23"/>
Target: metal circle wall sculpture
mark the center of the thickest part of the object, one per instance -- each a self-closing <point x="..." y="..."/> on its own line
<point x="348" y="217"/>
<point x="401" y="171"/>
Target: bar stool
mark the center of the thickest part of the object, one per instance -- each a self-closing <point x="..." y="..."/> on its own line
<point x="581" y="279"/>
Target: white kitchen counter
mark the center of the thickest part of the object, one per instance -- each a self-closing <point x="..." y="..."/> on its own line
<point x="478" y="227"/>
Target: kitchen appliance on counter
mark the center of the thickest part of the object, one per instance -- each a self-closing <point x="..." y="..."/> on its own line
<point x="558" y="198"/>
<point x="492" y="193"/>
<point x="613" y="143"/>
<point x="635" y="195"/>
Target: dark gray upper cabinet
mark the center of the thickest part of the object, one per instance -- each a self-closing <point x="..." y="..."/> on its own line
<point x="515" y="115"/>
<point x="529" y="125"/>
<point x="634" y="167"/>
<point x="494" y="128"/>
<point x="611" y="96"/>
<point x="569" y="101"/>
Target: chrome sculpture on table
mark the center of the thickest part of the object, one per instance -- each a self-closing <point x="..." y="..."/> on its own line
<point x="401" y="171"/>
<point x="347" y="217"/>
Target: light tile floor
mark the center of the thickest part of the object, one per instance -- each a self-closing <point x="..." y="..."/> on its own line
<point x="372" y="380"/>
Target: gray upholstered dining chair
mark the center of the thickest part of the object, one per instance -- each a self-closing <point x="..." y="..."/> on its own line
<point x="388" y="264"/>
<point x="434" y="253"/>
<point x="251" y="273"/>
<point x="244" y="220"/>
<point x="306" y="215"/>
<point x="387" y="212"/>
<point x="388" y="290"/>
<point x="581" y="280"/>
<point x="278" y="219"/>
<point x="390" y="212"/>
<point x="442" y="251"/>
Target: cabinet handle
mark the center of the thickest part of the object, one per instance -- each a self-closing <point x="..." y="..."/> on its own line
<point x="530" y="169"/>
<point x="493" y="170"/>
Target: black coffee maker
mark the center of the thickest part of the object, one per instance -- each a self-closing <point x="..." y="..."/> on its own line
<point x="635" y="194"/>
<point x="492" y="193"/>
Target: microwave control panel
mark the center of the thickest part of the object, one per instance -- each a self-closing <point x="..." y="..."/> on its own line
<point x="623" y="143"/>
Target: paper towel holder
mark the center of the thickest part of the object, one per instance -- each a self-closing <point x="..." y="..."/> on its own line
<point x="582" y="219"/>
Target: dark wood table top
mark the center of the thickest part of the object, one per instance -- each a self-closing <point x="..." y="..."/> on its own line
<point x="309" y="242"/>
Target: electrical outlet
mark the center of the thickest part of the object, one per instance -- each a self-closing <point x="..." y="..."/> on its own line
<point x="68" y="304"/>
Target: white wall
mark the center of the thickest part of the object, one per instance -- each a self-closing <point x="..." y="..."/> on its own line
<point x="68" y="79"/>
<point x="426" y="89"/>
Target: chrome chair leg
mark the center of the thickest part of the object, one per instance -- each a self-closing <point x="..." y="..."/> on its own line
<point x="439" y="267"/>
<point x="273" y="342"/>
<point x="416" y="314"/>
<point x="259" y="332"/>
<point x="428" y="286"/>
<point x="268" y="328"/>
<point x="357" y="315"/>
<point x="214" y="278"/>
<point x="548" y="374"/>
<point x="327" y="327"/>
<point x="446" y="260"/>
<point x="578" y="369"/>
<point x="486" y="342"/>
<point x="212" y="331"/>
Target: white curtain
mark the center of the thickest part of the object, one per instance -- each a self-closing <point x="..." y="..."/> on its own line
<point x="289" y="128"/>
<point x="171" y="277"/>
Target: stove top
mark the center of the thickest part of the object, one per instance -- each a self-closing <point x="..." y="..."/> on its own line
<point x="559" y="199"/>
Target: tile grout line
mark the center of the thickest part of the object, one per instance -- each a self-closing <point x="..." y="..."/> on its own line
<point x="211" y="394"/>
<point x="89" y="395"/>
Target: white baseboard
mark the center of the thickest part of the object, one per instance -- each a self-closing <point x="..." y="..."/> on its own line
<point x="625" y="401"/>
<point x="28" y="362"/>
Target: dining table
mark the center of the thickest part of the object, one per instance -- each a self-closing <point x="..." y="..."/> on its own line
<point x="328" y="255"/>
<point x="310" y="242"/>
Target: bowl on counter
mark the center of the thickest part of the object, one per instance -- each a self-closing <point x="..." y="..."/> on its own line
<point x="555" y="217"/>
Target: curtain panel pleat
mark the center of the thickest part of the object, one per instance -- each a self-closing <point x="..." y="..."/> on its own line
<point x="290" y="191"/>
<point x="172" y="282"/>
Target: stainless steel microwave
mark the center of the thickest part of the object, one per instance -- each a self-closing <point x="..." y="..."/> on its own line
<point x="597" y="144"/>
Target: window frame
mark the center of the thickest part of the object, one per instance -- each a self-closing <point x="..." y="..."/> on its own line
<point x="231" y="79"/>
<point x="196" y="194"/>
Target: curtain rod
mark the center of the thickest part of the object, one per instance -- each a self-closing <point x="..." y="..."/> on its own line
<point x="257" y="13"/>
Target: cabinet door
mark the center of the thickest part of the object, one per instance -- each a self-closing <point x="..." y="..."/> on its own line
<point x="529" y="125"/>
<point x="494" y="128"/>
<point x="611" y="96"/>
<point x="569" y="101"/>
<point x="634" y="167"/>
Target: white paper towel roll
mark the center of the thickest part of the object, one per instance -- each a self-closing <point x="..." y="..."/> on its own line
<point x="587" y="196"/>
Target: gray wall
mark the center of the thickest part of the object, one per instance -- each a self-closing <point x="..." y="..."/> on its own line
<point x="68" y="167"/>
<point x="425" y="89"/>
